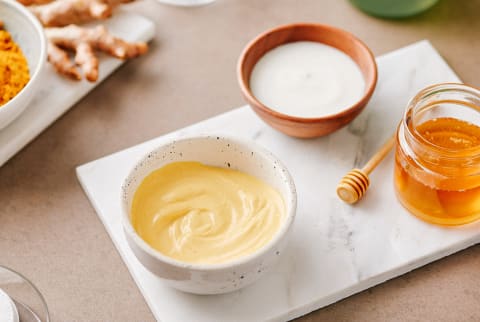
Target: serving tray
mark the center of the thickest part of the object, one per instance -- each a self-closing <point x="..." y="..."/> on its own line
<point x="59" y="94"/>
<point x="336" y="250"/>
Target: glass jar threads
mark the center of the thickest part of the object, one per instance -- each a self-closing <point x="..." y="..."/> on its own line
<point x="437" y="158"/>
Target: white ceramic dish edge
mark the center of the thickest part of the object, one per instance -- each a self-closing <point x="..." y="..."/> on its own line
<point x="28" y="34"/>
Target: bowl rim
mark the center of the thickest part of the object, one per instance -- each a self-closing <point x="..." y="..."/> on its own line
<point x="281" y="233"/>
<point x="42" y="59"/>
<point x="369" y="87"/>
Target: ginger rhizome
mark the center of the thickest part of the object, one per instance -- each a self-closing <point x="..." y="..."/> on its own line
<point x="33" y="2"/>
<point x="83" y="41"/>
<point x="65" y="12"/>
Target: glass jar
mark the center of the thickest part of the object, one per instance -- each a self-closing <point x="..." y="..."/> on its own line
<point x="20" y="299"/>
<point x="437" y="158"/>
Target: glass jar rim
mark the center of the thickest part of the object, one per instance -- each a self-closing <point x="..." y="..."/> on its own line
<point x="413" y="133"/>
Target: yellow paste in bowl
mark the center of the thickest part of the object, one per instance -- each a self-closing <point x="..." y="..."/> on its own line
<point x="202" y="214"/>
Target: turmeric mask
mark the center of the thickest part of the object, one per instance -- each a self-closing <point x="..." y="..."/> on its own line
<point x="202" y="214"/>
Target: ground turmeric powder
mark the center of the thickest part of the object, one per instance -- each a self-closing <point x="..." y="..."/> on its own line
<point x="14" y="74"/>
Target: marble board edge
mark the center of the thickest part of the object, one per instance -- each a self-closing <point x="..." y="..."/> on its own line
<point x="375" y="281"/>
<point x="117" y="247"/>
<point x="298" y="311"/>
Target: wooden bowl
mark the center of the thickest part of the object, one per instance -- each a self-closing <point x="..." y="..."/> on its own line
<point x="299" y="126"/>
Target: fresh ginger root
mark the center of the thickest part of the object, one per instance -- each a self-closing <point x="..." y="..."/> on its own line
<point x="84" y="41"/>
<point x="33" y="2"/>
<point x="65" y="12"/>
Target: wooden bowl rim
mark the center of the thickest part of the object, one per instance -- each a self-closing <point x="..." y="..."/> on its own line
<point x="245" y="87"/>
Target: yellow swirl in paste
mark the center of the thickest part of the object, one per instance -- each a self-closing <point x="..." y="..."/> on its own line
<point x="202" y="214"/>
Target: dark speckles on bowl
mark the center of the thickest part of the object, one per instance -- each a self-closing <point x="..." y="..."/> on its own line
<point x="218" y="151"/>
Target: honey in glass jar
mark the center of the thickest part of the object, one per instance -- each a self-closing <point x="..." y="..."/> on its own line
<point x="437" y="158"/>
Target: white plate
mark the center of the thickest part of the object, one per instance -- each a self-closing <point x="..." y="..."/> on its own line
<point x="8" y="309"/>
<point x="59" y="94"/>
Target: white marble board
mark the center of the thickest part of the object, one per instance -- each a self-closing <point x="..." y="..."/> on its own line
<point x="336" y="250"/>
<point x="58" y="94"/>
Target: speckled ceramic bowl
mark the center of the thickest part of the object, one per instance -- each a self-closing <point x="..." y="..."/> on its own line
<point x="27" y="32"/>
<point x="222" y="152"/>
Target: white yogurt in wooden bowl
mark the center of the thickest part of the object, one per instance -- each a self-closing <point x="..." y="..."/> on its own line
<point x="307" y="79"/>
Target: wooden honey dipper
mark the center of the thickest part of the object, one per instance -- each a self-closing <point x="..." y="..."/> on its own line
<point x="354" y="184"/>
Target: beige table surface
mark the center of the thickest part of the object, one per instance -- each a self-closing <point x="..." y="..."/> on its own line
<point x="50" y="232"/>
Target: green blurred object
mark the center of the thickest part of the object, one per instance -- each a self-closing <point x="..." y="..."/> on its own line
<point x="394" y="8"/>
